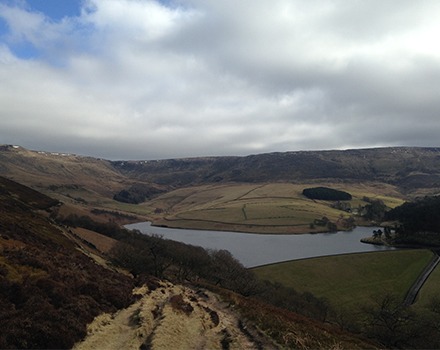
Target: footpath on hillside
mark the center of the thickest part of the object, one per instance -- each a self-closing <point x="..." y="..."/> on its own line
<point x="418" y="284"/>
<point x="173" y="317"/>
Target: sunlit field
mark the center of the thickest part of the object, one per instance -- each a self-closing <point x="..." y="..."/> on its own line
<point x="265" y="208"/>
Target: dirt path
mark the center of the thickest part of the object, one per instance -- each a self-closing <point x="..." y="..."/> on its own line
<point x="173" y="317"/>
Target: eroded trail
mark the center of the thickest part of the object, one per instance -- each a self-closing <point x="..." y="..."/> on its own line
<point x="173" y="317"/>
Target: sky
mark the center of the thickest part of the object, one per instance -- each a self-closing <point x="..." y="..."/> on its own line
<point x="144" y="79"/>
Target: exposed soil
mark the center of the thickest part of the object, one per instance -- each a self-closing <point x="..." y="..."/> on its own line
<point x="173" y="317"/>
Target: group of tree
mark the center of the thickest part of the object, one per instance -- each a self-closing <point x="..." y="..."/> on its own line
<point x="395" y="325"/>
<point x="145" y="255"/>
<point x="327" y="194"/>
<point x="324" y="222"/>
<point x="375" y="209"/>
<point x="418" y="221"/>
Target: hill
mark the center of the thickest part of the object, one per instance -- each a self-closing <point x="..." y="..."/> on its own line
<point x="54" y="283"/>
<point x="48" y="288"/>
<point x="51" y="171"/>
<point x="413" y="170"/>
<point x="256" y="193"/>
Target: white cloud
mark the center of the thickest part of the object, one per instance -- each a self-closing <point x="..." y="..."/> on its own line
<point x="140" y="79"/>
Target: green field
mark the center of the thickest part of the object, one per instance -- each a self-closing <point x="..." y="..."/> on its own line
<point x="265" y="208"/>
<point x="429" y="291"/>
<point x="352" y="279"/>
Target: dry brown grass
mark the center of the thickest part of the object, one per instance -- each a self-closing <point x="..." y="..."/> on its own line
<point x="101" y="242"/>
<point x="156" y="323"/>
<point x="260" y="208"/>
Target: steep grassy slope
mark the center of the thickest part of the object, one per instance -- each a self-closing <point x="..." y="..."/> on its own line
<point x="49" y="291"/>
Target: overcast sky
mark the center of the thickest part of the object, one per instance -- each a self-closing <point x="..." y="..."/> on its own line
<point x="141" y="79"/>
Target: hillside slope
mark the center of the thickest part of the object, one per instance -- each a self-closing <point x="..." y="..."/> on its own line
<point x="176" y="193"/>
<point x="169" y="316"/>
<point x="414" y="170"/>
<point x="409" y="168"/>
<point x="55" y="172"/>
<point x="50" y="290"/>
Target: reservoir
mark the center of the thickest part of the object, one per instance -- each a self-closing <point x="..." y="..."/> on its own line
<point x="260" y="249"/>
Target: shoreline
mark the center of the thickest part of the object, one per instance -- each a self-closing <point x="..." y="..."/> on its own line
<point x="226" y="229"/>
<point x="251" y="228"/>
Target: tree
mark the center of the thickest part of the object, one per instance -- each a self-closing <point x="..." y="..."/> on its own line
<point x="190" y="261"/>
<point x="389" y="321"/>
<point x="375" y="210"/>
<point x="230" y="273"/>
<point x="132" y="257"/>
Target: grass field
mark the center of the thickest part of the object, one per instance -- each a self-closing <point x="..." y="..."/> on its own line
<point x="349" y="280"/>
<point x="429" y="291"/>
<point x="264" y="208"/>
<point x="259" y="208"/>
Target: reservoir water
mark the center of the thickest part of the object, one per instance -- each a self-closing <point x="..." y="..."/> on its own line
<point x="260" y="249"/>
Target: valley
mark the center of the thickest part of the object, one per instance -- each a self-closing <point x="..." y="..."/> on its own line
<point x="57" y="204"/>
<point x="204" y="193"/>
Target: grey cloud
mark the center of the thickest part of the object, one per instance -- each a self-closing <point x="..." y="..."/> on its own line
<point x="141" y="80"/>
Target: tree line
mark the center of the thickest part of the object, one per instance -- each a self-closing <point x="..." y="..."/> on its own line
<point x="179" y="262"/>
<point x="418" y="221"/>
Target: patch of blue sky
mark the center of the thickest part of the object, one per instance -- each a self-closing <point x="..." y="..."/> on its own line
<point x="21" y="49"/>
<point x="3" y="28"/>
<point x="56" y="9"/>
<point x="24" y="50"/>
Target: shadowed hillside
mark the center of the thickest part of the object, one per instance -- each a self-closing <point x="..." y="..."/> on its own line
<point x="49" y="290"/>
<point x="410" y="169"/>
